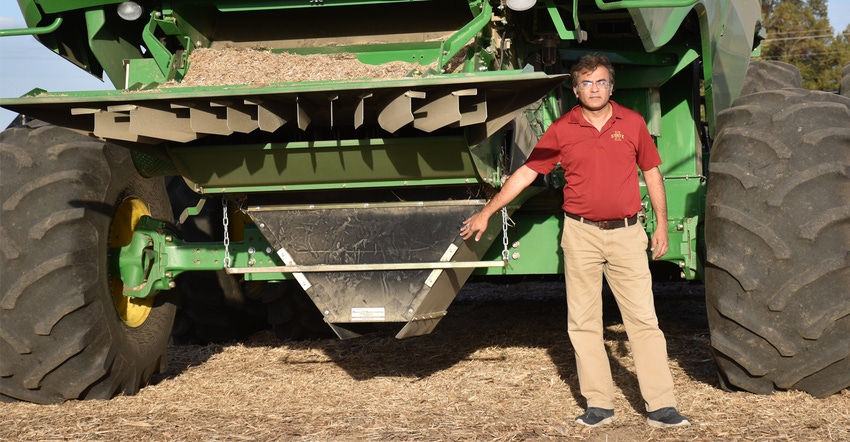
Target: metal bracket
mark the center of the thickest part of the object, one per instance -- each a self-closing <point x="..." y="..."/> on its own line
<point x="141" y="264"/>
<point x="192" y="211"/>
<point x="290" y="264"/>
<point x="447" y="256"/>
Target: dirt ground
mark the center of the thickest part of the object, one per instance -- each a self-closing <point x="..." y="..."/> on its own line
<point x="499" y="367"/>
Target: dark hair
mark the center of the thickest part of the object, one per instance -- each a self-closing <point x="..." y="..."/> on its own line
<point x="589" y="63"/>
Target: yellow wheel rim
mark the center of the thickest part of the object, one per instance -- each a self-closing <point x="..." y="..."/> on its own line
<point x="133" y="311"/>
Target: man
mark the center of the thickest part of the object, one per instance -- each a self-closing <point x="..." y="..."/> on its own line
<point x="600" y="145"/>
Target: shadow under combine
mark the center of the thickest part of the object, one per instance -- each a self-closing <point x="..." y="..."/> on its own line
<point x="529" y="314"/>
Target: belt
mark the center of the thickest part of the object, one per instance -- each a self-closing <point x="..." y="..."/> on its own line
<point x="607" y="224"/>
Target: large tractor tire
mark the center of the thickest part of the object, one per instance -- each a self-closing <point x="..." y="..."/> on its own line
<point x="66" y="330"/>
<point x="778" y="243"/>
<point x="771" y="75"/>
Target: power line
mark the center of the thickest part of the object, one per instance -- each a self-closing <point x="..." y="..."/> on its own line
<point x="807" y="37"/>
<point x="805" y="31"/>
<point x="810" y="31"/>
<point x="776" y="57"/>
<point x="801" y="31"/>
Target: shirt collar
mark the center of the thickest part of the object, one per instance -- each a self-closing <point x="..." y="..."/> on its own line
<point x="575" y="117"/>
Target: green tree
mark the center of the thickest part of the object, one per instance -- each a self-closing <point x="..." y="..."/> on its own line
<point x="799" y="33"/>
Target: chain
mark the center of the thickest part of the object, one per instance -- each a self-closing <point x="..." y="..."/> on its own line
<point x="506" y="220"/>
<point x="225" y="220"/>
<point x="505" y="166"/>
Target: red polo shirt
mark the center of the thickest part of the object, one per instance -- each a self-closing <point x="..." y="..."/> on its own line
<point x="599" y="166"/>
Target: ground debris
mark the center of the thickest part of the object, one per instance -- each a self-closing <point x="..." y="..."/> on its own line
<point x="499" y="367"/>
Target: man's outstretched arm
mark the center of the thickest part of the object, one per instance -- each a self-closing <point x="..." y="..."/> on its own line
<point x="515" y="184"/>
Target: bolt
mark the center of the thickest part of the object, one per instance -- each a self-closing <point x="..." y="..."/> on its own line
<point x="251" y="250"/>
<point x="680" y="227"/>
<point x="252" y="261"/>
<point x="169" y="275"/>
<point x="515" y="255"/>
<point x="515" y="244"/>
<point x="268" y="250"/>
<point x="169" y="238"/>
<point x="172" y="284"/>
<point x="326" y="312"/>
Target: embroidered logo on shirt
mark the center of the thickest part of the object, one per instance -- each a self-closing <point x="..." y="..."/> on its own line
<point x="618" y="136"/>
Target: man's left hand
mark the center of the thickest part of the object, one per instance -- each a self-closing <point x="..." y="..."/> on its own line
<point x="659" y="243"/>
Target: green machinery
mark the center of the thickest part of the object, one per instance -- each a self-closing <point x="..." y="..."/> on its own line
<point x="349" y="190"/>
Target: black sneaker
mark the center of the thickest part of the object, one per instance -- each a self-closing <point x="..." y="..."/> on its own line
<point x="667" y="417"/>
<point x="596" y="416"/>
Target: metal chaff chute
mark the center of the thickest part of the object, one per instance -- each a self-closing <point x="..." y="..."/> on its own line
<point x="390" y="262"/>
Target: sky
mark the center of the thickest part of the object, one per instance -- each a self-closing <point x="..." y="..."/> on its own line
<point x="25" y="64"/>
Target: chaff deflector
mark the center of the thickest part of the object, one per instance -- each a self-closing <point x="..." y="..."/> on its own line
<point x="486" y="100"/>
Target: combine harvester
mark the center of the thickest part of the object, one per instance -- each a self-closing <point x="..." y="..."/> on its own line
<point x="311" y="161"/>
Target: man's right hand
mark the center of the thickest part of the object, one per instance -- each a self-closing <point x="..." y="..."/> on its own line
<point x="475" y="223"/>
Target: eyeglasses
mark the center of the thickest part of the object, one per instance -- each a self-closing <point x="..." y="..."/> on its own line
<point x="601" y="83"/>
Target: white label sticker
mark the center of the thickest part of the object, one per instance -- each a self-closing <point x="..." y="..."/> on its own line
<point x="367" y="314"/>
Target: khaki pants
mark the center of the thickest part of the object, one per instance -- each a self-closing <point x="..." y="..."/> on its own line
<point x="620" y="255"/>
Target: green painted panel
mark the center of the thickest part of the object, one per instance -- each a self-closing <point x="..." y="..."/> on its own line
<point x="677" y="141"/>
<point x="328" y="164"/>
<point x="30" y="11"/>
<point x="538" y="241"/>
<point x="423" y="53"/>
<point x="54" y="6"/>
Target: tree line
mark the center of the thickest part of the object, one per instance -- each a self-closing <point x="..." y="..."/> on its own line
<point x="798" y="32"/>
